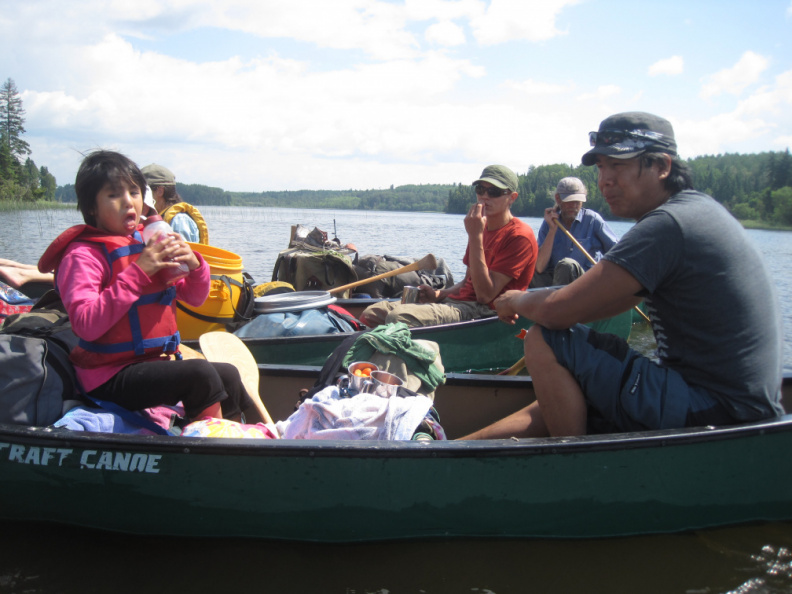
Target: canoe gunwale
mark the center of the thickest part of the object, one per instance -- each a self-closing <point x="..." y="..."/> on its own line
<point x="339" y="336"/>
<point x="394" y="449"/>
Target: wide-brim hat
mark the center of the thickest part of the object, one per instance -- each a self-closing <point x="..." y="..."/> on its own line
<point x="630" y="134"/>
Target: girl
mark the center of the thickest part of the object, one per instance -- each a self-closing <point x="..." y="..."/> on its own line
<point x="115" y="291"/>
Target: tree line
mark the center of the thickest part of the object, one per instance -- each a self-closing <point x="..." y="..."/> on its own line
<point x="753" y="187"/>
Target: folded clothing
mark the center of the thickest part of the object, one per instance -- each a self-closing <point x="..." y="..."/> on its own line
<point x="365" y="416"/>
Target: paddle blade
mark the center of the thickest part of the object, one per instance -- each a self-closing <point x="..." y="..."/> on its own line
<point x="224" y="347"/>
<point x="428" y="262"/>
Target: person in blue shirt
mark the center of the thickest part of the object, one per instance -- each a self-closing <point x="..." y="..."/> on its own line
<point x="559" y="260"/>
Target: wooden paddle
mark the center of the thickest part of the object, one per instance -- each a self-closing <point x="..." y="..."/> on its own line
<point x="593" y="261"/>
<point x="189" y="353"/>
<point x="428" y="262"/>
<point x="225" y="347"/>
<point x="519" y="365"/>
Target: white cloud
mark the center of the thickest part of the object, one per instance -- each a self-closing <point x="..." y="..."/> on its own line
<point x="736" y="79"/>
<point x="669" y="66"/>
<point x="765" y="116"/>
<point x="446" y="34"/>
<point x="350" y="93"/>
<point x="533" y="87"/>
<point x="600" y="93"/>
<point x="505" y="20"/>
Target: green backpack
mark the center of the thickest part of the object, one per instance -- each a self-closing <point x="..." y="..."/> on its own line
<point x="308" y="268"/>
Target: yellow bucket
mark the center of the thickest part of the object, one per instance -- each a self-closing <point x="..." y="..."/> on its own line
<point x="223" y="297"/>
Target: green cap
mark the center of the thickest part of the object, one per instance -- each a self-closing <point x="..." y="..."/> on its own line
<point x="499" y="176"/>
<point x="157" y="175"/>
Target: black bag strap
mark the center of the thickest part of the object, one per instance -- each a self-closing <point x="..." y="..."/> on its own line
<point x="331" y="366"/>
<point x="247" y="303"/>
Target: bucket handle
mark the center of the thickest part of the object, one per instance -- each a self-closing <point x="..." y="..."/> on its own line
<point x="246" y="293"/>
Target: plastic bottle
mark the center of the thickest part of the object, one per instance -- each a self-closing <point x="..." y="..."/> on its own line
<point x="151" y="226"/>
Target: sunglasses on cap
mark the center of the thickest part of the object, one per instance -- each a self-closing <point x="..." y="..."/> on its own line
<point x="637" y="138"/>
<point x="491" y="191"/>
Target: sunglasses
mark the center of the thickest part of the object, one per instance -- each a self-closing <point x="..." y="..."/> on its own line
<point x="491" y="192"/>
<point x="638" y="138"/>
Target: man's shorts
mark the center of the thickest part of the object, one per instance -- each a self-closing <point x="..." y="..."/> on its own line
<point x="626" y="391"/>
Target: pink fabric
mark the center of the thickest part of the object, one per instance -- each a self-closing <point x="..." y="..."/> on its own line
<point x="163" y="415"/>
<point x="94" y="307"/>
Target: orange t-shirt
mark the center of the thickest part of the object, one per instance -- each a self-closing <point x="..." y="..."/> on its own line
<point x="510" y="250"/>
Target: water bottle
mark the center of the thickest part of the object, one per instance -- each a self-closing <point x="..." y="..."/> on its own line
<point x="151" y="226"/>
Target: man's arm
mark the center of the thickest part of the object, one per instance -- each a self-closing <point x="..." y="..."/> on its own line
<point x="486" y="283"/>
<point x="604" y="291"/>
<point x="546" y="247"/>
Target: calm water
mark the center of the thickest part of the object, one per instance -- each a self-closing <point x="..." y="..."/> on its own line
<point x="258" y="234"/>
<point x="36" y="559"/>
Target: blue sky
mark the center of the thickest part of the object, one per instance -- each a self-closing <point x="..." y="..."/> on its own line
<point x="255" y="95"/>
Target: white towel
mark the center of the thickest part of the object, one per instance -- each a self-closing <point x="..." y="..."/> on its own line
<point x="365" y="416"/>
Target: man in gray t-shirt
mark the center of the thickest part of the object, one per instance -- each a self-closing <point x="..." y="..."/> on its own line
<point x="718" y="335"/>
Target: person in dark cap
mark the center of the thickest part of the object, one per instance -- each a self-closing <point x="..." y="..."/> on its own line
<point x="184" y="218"/>
<point x="500" y="255"/>
<point x="718" y="336"/>
<point x="560" y="261"/>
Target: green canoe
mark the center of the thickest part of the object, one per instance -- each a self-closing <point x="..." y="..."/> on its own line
<point x="477" y="345"/>
<point x="346" y="491"/>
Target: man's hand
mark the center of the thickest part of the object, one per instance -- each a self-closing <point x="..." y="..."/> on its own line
<point x="505" y="306"/>
<point x="551" y="216"/>
<point x="475" y="220"/>
<point x="427" y="294"/>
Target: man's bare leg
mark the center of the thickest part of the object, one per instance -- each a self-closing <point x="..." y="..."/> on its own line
<point x="18" y="275"/>
<point x="527" y="422"/>
<point x="559" y="395"/>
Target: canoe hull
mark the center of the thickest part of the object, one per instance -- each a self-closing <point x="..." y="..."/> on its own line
<point x="333" y="491"/>
<point x="345" y="492"/>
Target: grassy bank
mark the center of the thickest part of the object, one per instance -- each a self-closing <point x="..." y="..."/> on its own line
<point x="765" y="225"/>
<point x="13" y="205"/>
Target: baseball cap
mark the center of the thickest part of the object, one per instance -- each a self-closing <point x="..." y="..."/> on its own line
<point x="630" y="134"/>
<point x="571" y="188"/>
<point x="157" y="175"/>
<point x="499" y="176"/>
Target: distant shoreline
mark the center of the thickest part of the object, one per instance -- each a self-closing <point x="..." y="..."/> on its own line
<point x="8" y="206"/>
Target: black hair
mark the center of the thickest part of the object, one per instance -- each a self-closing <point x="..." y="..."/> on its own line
<point x="98" y="169"/>
<point x="169" y="195"/>
<point x="679" y="177"/>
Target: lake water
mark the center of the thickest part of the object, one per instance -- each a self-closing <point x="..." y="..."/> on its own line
<point x="43" y="559"/>
<point x="258" y="234"/>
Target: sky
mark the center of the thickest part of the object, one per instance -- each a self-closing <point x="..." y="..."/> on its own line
<point x="267" y="95"/>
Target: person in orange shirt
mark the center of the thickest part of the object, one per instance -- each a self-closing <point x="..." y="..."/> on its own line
<point x="500" y="256"/>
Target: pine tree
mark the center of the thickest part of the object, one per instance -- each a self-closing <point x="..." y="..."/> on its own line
<point x="48" y="183"/>
<point x="12" y="119"/>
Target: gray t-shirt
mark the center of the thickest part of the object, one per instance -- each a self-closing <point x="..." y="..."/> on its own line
<point x="713" y="306"/>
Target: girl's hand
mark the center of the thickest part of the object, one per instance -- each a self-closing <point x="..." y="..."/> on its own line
<point x="183" y="252"/>
<point x="166" y="253"/>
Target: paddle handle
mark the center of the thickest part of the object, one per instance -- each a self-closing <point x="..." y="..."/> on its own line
<point x="428" y="262"/>
<point x="593" y="261"/>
